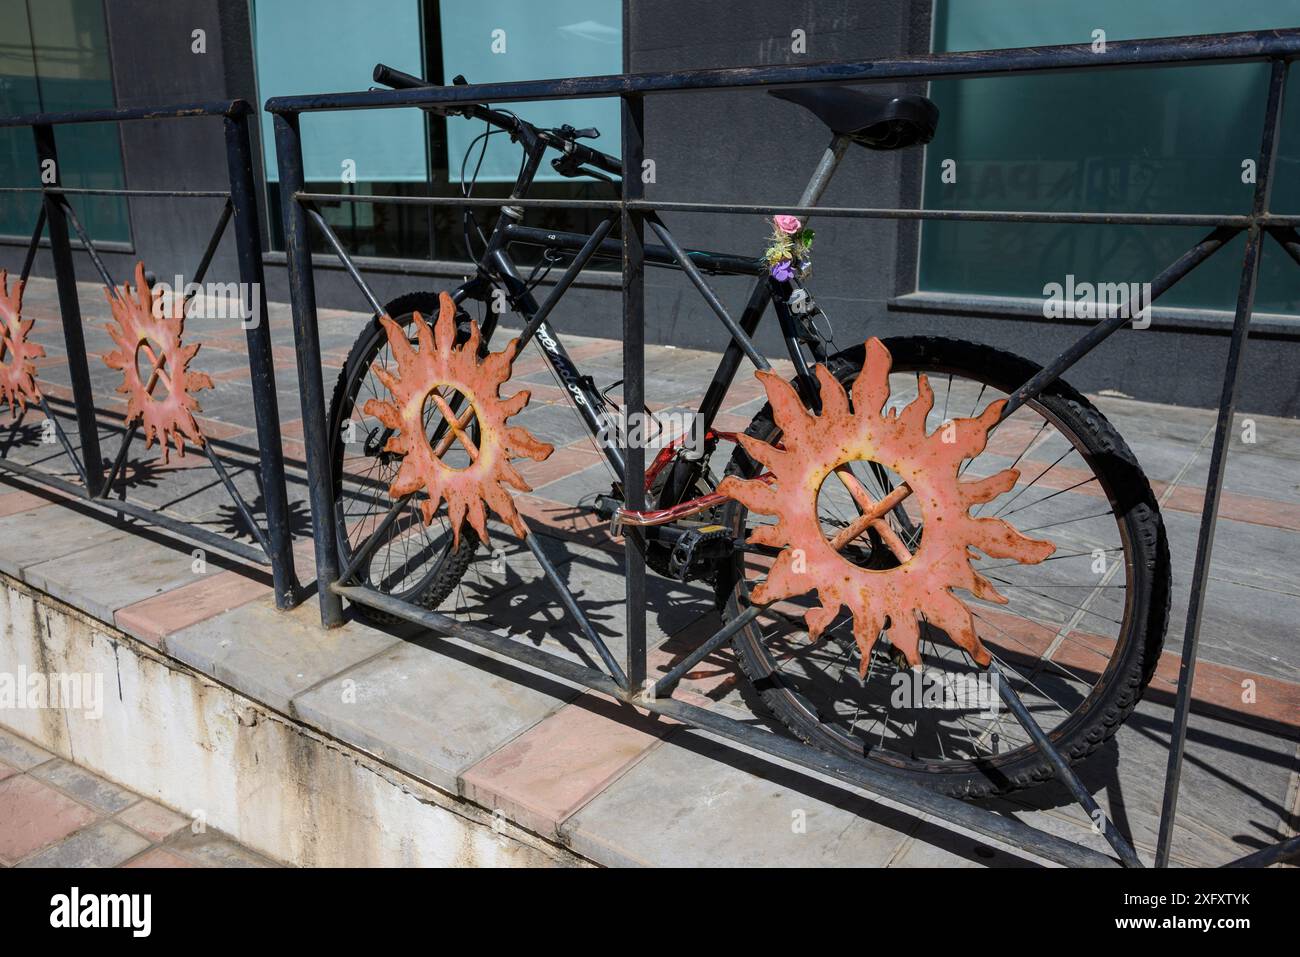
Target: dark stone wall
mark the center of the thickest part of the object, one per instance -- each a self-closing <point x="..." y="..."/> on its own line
<point x="150" y="48"/>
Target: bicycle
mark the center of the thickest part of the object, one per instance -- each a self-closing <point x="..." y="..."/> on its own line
<point x="1080" y="667"/>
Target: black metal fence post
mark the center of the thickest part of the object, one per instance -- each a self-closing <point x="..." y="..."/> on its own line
<point x="302" y="296"/>
<point x="1219" y="455"/>
<point x="633" y="229"/>
<point x="261" y="369"/>
<point x="65" y="275"/>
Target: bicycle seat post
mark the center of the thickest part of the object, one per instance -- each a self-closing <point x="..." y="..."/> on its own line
<point x="826" y="167"/>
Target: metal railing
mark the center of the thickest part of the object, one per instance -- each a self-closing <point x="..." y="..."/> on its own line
<point x="273" y="543"/>
<point x="628" y="683"/>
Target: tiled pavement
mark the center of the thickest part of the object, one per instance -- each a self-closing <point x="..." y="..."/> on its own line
<point x="616" y="786"/>
<point x="56" y="814"/>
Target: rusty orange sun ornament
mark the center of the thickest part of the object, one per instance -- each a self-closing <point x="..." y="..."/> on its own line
<point x="146" y="327"/>
<point x="431" y="374"/>
<point x="17" y="368"/>
<point x="814" y="447"/>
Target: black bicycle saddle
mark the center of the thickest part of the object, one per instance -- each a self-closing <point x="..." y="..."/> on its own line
<point x="877" y="121"/>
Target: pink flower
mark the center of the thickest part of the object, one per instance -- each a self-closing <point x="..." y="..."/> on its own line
<point x="787" y="224"/>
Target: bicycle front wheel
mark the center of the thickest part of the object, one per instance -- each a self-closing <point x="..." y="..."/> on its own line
<point x="410" y="560"/>
<point x="1078" y="638"/>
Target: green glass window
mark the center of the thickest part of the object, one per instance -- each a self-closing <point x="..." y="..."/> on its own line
<point x="1167" y="140"/>
<point x="313" y="46"/>
<point x="54" y="58"/>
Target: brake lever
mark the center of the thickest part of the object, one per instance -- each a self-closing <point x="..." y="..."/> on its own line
<point x="569" y="167"/>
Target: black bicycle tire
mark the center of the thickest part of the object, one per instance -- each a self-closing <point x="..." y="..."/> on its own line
<point x="1118" y="689"/>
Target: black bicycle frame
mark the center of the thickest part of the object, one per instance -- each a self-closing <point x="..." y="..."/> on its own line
<point x="496" y="267"/>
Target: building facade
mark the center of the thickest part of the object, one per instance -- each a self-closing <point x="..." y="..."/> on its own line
<point x="1161" y="140"/>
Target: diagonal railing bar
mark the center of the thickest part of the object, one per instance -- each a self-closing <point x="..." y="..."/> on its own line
<point x="706" y="293"/>
<point x="87" y="246"/>
<point x="244" y="512"/>
<point x="214" y="241"/>
<point x="120" y="462"/>
<point x="63" y="440"/>
<point x="665" y="685"/>
<point x="335" y="244"/>
<point x="566" y="280"/>
<point x="1288" y="238"/>
<point x="1064" y="771"/>
<point x="571" y="605"/>
<point x="30" y="259"/>
<point x="1094" y="337"/>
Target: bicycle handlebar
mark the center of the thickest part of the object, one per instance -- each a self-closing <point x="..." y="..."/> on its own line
<point x="575" y="154"/>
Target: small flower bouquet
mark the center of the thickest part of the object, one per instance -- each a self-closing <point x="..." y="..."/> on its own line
<point x="787" y="253"/>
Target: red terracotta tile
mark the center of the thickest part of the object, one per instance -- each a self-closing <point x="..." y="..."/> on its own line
<point x="549" y="772"/>
<point x="19" y="501"/>
<point x="567" y="522"/>
<point x="294" y="451"/>
<point x="1252" y="698"/>
<point x="216" y="429"/>
<point x="34" y="815"/>
<point x="1218" y="690"/>
<point x="561" y="463"/>
<point x="152" y="820"/>
<point x="238" y="373"/>
<point x="156" y="617"/>
<point x="54" y="390"/>
<point x="729" y="422"/>
<point x="1239" y="508"/>
<point x="711" y="678"/>
<point x="545" y="393"/>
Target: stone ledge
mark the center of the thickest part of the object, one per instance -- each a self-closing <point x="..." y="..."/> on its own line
<point x="274" y="783"/>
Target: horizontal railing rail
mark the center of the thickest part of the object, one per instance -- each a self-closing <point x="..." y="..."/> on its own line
<point x="1221" y="48"/>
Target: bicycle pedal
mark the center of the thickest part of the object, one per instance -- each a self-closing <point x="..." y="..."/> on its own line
<point x="695" y="545"/>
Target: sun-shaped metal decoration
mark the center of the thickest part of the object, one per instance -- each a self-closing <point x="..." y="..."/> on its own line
<point x="815" y="446"/>
<point x="433" y="373"/>
<point x="145" y="326"/>
<point x="17" y="368"/>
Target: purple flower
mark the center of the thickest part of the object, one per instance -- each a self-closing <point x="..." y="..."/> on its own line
<point x="783" y="271"/>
